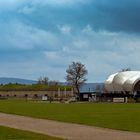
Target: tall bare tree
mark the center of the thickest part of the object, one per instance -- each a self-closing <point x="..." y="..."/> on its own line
<point x="76" y="73"/>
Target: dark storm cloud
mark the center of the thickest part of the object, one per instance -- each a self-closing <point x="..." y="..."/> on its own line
<point x="112" y="15"/>
<point x="117" y="15"/>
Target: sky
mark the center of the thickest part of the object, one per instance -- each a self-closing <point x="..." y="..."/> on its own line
<point x="42" y="38"/>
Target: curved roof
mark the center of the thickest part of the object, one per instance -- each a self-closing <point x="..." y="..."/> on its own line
<point x="130" y="83"/>
<point x="108" y="83"/>
<point x="122" y="81"/>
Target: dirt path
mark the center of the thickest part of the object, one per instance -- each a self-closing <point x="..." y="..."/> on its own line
<point x="65" y="130"/>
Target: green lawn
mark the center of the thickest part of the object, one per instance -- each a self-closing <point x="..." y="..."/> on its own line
<point x="116" y="116"/>
<point x="14" y="134"/>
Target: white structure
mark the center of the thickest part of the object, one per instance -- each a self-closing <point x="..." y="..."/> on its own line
<point x="127" y="81"/>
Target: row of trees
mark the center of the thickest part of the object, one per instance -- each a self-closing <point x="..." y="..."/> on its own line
<point x="46" y="81"/>
<point x="75" y="77"/>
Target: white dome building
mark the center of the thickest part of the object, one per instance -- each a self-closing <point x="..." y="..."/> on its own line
<point x="127" y="81"/>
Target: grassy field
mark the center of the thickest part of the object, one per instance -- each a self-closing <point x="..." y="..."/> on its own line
<point x="14" y="134"/>
<point x="116" y="116"/>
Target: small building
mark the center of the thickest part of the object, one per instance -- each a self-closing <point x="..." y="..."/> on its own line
<point x="87" y="96"/>
<point x="90" y="91"/>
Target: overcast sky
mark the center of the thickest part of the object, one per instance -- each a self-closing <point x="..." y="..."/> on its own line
<point x="42" y="37"/>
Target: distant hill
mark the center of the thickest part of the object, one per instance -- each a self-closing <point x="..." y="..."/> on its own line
<point x="5" y="80"/>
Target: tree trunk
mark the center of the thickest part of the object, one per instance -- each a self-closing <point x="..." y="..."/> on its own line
<point x="78" y="92"/>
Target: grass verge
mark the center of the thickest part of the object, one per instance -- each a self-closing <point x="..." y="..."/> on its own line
<point x="115" y="116"/>
<point x="7" y="133"/>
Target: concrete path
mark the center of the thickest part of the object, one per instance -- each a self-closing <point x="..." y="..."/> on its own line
<point x="65" y="130"/>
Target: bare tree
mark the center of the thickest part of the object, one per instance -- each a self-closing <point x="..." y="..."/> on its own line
<point x="76" y="73"/>
<point x="46" y="80"/>
<point x="39" y="80"/>
<point x="43" y="80"/>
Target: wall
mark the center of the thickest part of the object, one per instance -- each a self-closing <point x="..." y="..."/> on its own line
<point x="32" y="94"/>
